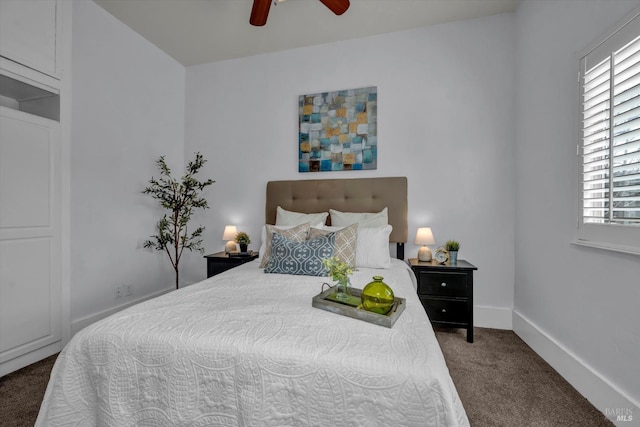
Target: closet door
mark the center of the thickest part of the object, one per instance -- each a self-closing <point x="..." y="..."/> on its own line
<point x="30" y="239"/>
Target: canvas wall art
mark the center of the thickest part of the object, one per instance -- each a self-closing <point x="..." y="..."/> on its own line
<point x="338" y="130"/>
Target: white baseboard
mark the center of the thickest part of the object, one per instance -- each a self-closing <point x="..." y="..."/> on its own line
<point x="594" y="387"/>
<point x="29" y="358"/>
<point x="79" y="324"/>
<point x="493" y="317"/>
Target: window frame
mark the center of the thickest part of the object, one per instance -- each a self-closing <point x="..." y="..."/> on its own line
<point x="609" y="236"/>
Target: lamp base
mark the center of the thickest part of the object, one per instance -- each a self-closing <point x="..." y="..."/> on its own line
<point x="424" y="254"/>
<point x="230" y="247"/>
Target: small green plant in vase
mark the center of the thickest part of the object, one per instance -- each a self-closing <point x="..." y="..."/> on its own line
<point x="243" y="240"/>
<point x="339" y="272"/>
<point x="452" y="246"/>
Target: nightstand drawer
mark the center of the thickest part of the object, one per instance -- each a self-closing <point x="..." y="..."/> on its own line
<point x="446" y="310"/>
<point x="449" y="284"/>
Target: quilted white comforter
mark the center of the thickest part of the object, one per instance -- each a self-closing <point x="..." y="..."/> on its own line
<point x="246" y="348"/>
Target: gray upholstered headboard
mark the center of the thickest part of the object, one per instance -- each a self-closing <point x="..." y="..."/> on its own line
<point x="347" y="195"/>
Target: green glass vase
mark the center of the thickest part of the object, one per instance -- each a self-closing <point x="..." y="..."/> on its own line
<point x="377" y="296"/>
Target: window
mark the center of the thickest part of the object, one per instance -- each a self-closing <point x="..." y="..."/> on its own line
<point x="610" y="141"/>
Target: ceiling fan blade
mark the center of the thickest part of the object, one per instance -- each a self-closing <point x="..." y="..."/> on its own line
<point x="259" y="12"/>
<point x="337" y="6"/>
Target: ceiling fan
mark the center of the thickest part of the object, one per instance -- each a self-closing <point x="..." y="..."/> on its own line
<point x="260" y="9"/>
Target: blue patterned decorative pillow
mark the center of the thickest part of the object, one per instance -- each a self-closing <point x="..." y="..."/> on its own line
<point x="300" y="258"/>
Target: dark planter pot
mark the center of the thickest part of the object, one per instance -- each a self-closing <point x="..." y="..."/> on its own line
<point x="243" y="247"/>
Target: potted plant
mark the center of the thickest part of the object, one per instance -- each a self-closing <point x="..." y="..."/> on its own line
<point x="339" y="272"/>
<point x="243" y="240"/>
<point x="180" y="199"/>
<point x="452" y="246"/>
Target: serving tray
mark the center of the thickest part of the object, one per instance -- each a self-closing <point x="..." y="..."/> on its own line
<point x="352" y="308"/>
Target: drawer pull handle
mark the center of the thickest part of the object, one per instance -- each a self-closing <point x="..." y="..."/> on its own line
<point x="444" y="285"/>
<point x="444" y="310"/>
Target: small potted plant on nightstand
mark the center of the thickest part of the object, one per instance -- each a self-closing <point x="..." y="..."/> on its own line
<point x="452" y="246"/>
<point x="243" y="240"/>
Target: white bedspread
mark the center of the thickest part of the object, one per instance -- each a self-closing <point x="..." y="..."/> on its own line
<point x="246" y="348"/>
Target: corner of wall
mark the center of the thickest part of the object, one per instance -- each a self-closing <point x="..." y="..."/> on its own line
<point x="593" y="386"/>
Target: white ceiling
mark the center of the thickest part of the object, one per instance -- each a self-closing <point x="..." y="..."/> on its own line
<point x="201" y="31"/>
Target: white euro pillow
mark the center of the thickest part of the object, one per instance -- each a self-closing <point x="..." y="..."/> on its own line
<point x="288" y="218"/>
<point x="363" y="219"/>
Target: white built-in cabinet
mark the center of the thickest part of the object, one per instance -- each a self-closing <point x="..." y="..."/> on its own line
<point x="28" y="33"/>
<point x="35" y="42"/>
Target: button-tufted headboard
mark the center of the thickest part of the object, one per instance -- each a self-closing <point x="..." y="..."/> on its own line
<point x="347" y="195"/>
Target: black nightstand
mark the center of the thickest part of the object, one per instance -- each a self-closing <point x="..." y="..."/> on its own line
<point x="219" y="262"/>
<point x="446" y="292"/>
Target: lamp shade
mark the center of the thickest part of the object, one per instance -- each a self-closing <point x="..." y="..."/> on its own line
<point x="229" y="235"/>
<point x="230" y="232"/>
<point x="424" y="236"/>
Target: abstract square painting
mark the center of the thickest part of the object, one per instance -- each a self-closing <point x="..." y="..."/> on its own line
<point x="338" y="131"/>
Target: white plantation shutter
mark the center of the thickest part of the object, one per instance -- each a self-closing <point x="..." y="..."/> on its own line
<point x="595" y="139"/>
<point x="626" y="135"/>
<point x="610" y="146"/>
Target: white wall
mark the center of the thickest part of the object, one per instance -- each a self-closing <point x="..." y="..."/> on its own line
<point x="578" y="307"/>
<point x="445" y="120"/>
<point x="128" y="109"/>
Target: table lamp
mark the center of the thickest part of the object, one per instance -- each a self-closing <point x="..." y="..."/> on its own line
<point x="229" y="235"/>
<point x="424" y="237"/>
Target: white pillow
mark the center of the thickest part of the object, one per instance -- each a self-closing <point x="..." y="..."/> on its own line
<point x="372" y="247"/>
<point x="363" y="219"/>
<point x="285" y="217"/>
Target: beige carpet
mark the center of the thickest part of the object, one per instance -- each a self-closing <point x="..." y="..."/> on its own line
<point x="21" y="393"/>
<point x="501" y="382"/>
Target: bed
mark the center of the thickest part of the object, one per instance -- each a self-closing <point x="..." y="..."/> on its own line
<point x="246" y="348"/>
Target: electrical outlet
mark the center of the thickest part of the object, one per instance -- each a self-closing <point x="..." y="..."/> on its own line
<point x="118" y="292"/>
<point x="128" y="290"/>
